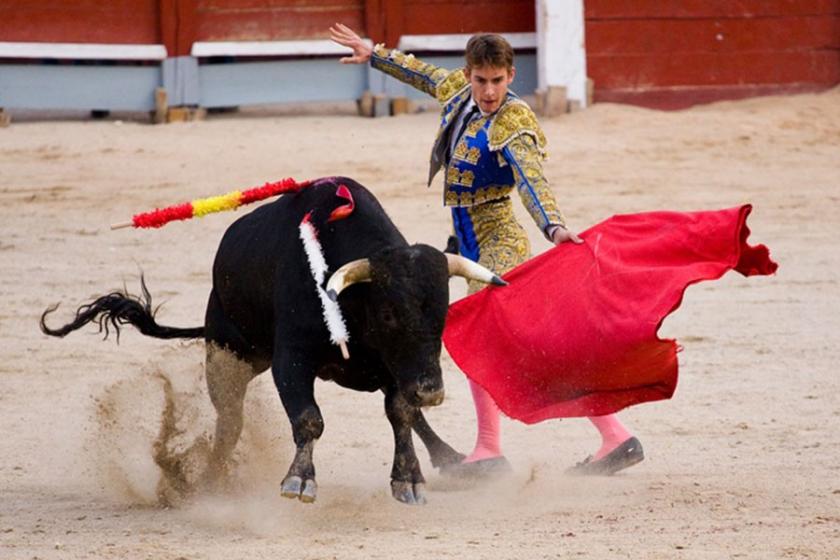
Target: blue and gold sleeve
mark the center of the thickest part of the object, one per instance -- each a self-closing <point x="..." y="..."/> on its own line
<point x="438" y="82"/>
<point x="523" y="155"/>
<point x="516" y="135"/>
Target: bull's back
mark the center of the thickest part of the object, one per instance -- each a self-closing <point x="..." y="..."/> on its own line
<point x="261" y="270"/>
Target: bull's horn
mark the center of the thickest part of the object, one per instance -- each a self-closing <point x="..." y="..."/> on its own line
<point x="351" y="273"/>
<point x="461" y="266"/>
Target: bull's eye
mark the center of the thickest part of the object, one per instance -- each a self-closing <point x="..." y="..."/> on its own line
<point x="387" y="316"/>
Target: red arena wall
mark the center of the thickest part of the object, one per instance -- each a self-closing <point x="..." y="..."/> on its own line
<point x="81" y="21"/>
<point x="381" y="20"/>
<point x="178" y="23"/>
<point x="273" y="20"/>
<point x="675" y="54"/>
<point x="647" y="52"/>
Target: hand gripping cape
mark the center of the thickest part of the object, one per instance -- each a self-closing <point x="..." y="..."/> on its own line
<point x="575" y="332"/>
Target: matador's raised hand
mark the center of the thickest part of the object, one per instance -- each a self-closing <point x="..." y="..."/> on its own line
<point x="345" y="36"/>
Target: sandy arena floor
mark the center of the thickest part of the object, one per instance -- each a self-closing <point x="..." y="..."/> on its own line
<point x="744" y="461"/>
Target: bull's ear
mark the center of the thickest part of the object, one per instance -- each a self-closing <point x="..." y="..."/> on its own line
<point x="453" y="246"/>
<point x="349" y="274"/>
<point x="461" y="266"/>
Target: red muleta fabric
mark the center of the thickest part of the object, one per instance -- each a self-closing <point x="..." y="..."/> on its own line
<point x="575" y="332"/>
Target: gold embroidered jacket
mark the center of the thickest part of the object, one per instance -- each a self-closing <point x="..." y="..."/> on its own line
<point x="495" y="153"/>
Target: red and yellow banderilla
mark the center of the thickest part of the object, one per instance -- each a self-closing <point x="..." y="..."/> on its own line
<point x="203" y="206"/>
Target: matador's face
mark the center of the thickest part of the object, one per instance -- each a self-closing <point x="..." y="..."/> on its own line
<point x="490" y="85"/>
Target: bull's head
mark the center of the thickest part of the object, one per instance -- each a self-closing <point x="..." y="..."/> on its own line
<point x="406" y="311"/>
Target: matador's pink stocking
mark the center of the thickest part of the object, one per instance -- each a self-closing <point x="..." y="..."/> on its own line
<point x="613" y="433"/>
<point x="487" y="443"/>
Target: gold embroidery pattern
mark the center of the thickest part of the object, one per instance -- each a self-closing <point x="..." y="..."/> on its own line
<point x="533" y="187"/>
<point x="467" y="178"/>
<point x="514" y="119"/>
<point x="452" y="175"/>
<point x="407" y="69"/>
<point x="485" y="194"/>
<point x="502" y="242"/>
<point x="472" y="129"/>
<point x="463" y="178"/>
<point x="472" y="155"/>
<point x="462" y="153"/>
<point x="453" y="83"/>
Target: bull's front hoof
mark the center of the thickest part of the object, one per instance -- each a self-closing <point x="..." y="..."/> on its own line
<point x="295" y="487"/>
<point x="409" y="493"/>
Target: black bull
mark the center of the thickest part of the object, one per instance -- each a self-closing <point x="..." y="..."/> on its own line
<point x="264" y="311"/>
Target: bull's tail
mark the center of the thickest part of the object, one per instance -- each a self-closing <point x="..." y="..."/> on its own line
<point x="117" y="309"/>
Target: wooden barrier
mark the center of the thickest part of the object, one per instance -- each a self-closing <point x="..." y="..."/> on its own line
<point x="674" y="54"/>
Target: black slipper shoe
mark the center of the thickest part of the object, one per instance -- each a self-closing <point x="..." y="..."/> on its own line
<point x="625" y="455"/>
<point x="477" y="470"/>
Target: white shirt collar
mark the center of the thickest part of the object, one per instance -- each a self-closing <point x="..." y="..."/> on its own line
<point x="471" y="103"/>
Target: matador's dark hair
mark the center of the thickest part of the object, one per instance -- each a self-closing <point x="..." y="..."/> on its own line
<point x="488" y="49"/>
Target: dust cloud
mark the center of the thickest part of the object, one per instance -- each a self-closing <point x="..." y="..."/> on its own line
<point x="154" y="430"/>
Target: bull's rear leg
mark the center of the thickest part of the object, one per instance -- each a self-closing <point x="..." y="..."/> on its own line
<point x="440" y="452"/>
<point x="294" y="376"/>
<point x="407" y="482"/>
<point x="227" y="382"/>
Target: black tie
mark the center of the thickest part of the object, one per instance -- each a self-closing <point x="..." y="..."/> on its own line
<point x="467" y="118"/>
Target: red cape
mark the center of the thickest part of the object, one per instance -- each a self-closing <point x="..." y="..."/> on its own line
<point x="574" y="334"/>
